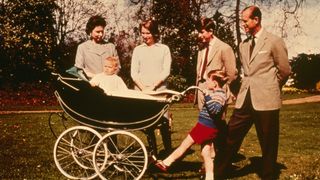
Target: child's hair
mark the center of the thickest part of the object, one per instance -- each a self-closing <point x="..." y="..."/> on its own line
<point x="219" y="76"/>
<point x="113" y="59"/>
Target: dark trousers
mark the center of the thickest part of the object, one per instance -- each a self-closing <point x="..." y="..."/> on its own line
<point x="267" y="127"/>
<point x="165" y="134"/>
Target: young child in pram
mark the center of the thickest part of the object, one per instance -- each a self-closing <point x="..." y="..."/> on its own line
<point x="205" y="131"/>
<point x="113" y="85"/>
<point x="108" y="80"/>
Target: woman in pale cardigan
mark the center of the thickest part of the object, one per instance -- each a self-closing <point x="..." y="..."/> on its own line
<point x="91" y="53"/>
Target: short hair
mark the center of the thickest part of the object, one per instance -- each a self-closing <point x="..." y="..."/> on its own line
<point x="113" y="60"/>
<point x="219" y="76"/>
<point x="206" y="24"/>
<point x="255" y="12"/>
<point x="152" y="26"/>
<point x="95" y="21"/>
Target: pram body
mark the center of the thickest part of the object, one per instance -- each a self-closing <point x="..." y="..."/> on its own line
<point x="81" y="152"/>
<point x="130" y="110"/>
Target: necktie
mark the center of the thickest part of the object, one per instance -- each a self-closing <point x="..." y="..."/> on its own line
<point x="204" y="64"/>
<point x="252" y="44"/>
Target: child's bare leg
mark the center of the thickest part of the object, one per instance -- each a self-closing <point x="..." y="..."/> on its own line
<point x="207" y="152"/>
<point x="177" y="153"/>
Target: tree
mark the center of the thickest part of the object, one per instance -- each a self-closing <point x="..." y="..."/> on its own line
<point x="179" y="21"/>
<point x="71" y="17"/>
<point x="305" y="71"/>
<point x="27" y="39"/>
<point x="287" y="9"/>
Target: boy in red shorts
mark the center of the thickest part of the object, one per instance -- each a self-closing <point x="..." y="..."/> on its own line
<point x="205" y="131"/>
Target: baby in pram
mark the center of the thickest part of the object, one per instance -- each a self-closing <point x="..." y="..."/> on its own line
<point x="113" y="85"/>
<point x="108" y="80"/>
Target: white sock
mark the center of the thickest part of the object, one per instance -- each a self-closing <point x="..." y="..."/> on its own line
<point x="167" y="162"/>
<point x="209" y="176"/>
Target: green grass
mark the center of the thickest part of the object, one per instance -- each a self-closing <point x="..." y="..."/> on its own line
<point x="27" y="144"/>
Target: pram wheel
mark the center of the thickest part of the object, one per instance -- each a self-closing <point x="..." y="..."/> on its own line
<point x="73" y="152"/>
<point x="125" y="153"/>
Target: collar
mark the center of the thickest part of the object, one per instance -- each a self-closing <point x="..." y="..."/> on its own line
<point x="213" y="41"/>
<point x="258" y="34"/>
<point x="155" y="44"/>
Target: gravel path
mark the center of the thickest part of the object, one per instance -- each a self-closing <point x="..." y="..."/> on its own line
<point x="309" y="99"/>
<point x="303" y="100"/>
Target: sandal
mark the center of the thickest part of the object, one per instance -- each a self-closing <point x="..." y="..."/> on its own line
<point x="162" y="166"/>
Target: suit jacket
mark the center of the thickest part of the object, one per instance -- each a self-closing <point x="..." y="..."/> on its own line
<point x="221" y="56"/>
<point x="264" y="72"/>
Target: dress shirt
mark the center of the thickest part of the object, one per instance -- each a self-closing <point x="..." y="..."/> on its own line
<point x="210" y="46"/>
<point x="257" y="35"/>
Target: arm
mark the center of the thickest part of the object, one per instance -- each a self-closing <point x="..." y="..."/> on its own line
<point x="135" y="66"/>
<point x="166" y="67"/>
<point x="280" y="56"/>
<point x="121" y="84"/>
<point x="229" y="61"/>
<point x="79" y="61"/>
<point x="214" y="104"/>
<point x="94" y="81"/>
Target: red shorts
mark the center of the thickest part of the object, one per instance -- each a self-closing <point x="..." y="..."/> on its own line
<point x="201" y="134"/>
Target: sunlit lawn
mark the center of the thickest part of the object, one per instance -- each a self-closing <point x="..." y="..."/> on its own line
<point x="26" y="145"/>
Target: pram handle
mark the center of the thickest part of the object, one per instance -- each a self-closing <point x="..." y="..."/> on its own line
<point x="61" y="79"/>
<point x="191" y="87"/>
<point x="178" y="96"/>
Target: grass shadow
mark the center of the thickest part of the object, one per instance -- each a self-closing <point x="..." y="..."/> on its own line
<point x="178" y="170"/>
<point x="255" y="166"/>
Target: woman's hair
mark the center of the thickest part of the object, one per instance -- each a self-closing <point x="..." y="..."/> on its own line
<point x="93" y="22"/>
<point x="219" y="76"/>
<point x="152" y="26"/>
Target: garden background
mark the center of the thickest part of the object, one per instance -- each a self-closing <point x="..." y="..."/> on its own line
<point x="38" y="37"/>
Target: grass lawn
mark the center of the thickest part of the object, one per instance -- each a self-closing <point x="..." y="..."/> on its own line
<point x="27" y="144"/>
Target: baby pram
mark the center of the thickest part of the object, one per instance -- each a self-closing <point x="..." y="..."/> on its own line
<point x="81" y="152"/>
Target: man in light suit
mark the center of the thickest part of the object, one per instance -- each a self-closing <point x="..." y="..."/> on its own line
<point x="265" y="70"/>
<point x="214" y="54"/>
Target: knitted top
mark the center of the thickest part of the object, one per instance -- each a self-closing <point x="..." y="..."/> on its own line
<point x="214" y="104"/>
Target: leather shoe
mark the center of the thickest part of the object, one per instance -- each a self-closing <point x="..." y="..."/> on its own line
<point x="162" y="166"/>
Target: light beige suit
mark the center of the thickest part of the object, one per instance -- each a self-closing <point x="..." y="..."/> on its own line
<point x="264" y="72"/>
<point x="258" y="102"/>
<point x="221" y="56"/>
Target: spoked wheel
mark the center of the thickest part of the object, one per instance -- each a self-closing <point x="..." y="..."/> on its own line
<point x="73" y="152"/>
<point x="125" y="154"/>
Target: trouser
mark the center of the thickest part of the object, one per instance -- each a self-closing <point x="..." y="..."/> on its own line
<point x="165" y="134"/>
<point x="267" y="128"/>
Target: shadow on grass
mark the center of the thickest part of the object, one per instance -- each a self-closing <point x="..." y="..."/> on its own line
<point x="178" y="170"/>
<point x="255" y="166"/>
